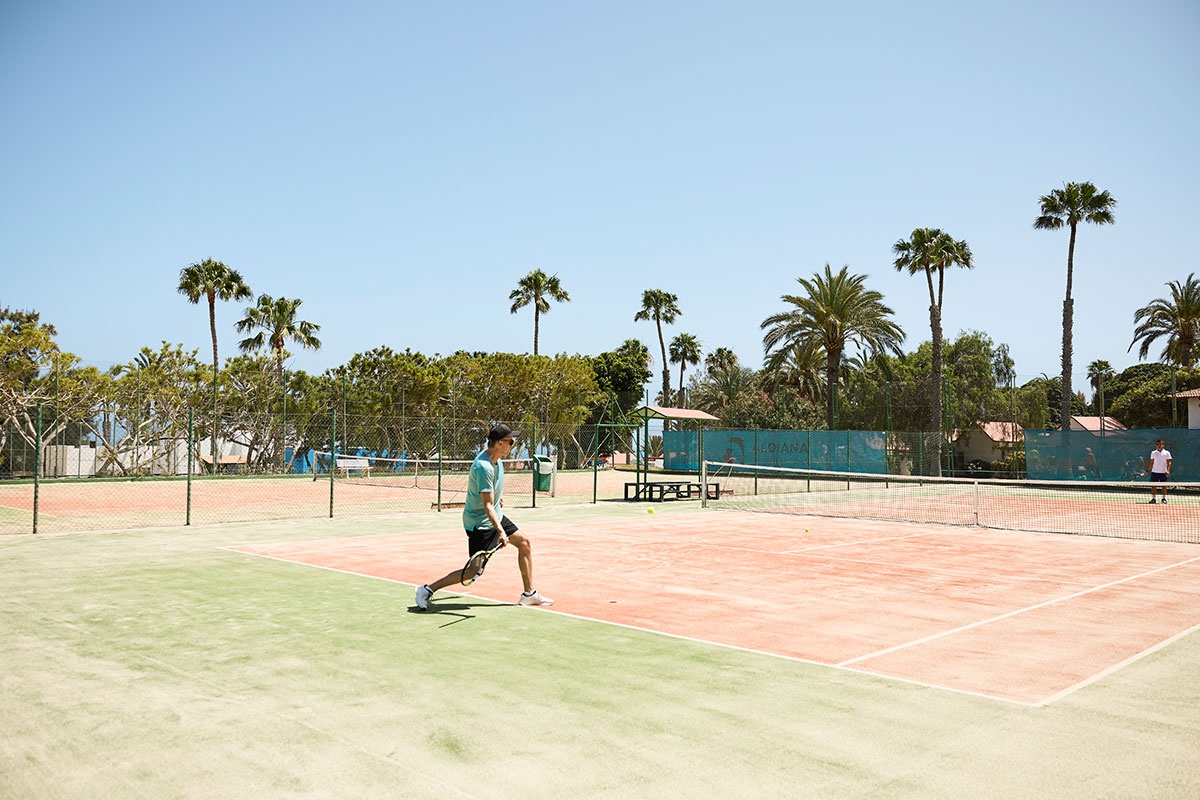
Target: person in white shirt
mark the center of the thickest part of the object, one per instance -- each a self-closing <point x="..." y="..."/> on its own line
<point x="1159" y="470"/>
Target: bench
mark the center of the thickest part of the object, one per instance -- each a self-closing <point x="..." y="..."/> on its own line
<point x="658" y="491"/>
<point x="359" y="464"/>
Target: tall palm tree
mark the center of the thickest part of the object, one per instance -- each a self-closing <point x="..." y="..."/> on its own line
<point x="932" y="251"/>
<point x="276" y="323"/>
<point x="834" y="313"/>
<point x="1071" y="205"/>
<point x="1177" y="318"/>
<point x="213" y="281"/>
<point x="1098" y="372"/>
<point x="685" y="349"/>
<point x="661" y="307"/>
<point x="537" y="289"/>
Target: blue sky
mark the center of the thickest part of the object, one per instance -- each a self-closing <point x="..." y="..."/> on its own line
<point x="399" y="166"/>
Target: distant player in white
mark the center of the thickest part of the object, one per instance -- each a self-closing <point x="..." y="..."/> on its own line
<point x="1159" y="469"/>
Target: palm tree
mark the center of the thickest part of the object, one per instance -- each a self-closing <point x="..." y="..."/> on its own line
<point x="214" y="281"/>
<point x="1098" y="372"/>
<point x="661" y="307"/>
<point x="275" y="320"/>
<point x="801" y="366"/>
<point x="685" y="349"/>
<point x="719" y="389"/>
<point x="835" y="311"/>
<point x="719" y="359"/>
<point x="534" y="289"/>
<point x="1071" y="205"/>
<point x="276" y="323"/>
<point x="1177" y="318"/>
<point x="931" y="251"/>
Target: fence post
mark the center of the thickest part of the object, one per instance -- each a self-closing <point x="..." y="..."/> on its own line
<point x="191" y="433"/>
<point x="756" y="460"/>
<point x="332" y="456"/>
<point x="441" y="455"/>
<point x="596" y="463"/>
<point x="37" y="467"/>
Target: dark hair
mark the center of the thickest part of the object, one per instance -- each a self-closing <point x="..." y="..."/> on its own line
<point x="499" y="432"/>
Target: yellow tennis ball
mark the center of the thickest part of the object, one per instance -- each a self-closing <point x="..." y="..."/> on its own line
<point x="649" y="510"/>
<point x="806" y="530"/>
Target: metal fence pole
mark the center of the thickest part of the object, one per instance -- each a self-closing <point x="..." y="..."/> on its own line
<point x="332" y="456"/>
<point x="191" y="435"/>
<point x="37" y="467"/>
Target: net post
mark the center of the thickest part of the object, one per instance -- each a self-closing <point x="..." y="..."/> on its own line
<point x="976" y="510"/>
<point x="703" y="481"/>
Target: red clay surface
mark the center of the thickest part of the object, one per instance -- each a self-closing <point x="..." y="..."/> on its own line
<point x="1021" y="616"/>
<point x="77" y="498"/>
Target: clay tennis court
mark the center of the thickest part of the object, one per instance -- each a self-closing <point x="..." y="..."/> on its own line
<point x="1022" y="617"/>
<point x="111" y="504"/>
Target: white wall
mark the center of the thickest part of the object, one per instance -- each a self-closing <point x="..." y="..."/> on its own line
<point x="65" y="461"/>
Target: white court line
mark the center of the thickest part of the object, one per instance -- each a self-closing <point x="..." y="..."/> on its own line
<point x="1116" y="667"/>
<point x="1013" y="613"/>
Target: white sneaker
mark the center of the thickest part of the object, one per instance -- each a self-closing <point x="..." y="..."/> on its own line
<point x="423" y="595"/>
<point x="535" y="599"/>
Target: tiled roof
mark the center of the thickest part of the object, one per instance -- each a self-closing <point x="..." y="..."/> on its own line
<point x="1093" y="423"/>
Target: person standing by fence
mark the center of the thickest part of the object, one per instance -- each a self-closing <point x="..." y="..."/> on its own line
<point x="1159" y="470"/>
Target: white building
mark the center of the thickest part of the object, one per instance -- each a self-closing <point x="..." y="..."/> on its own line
<point x="1193" y="406"/>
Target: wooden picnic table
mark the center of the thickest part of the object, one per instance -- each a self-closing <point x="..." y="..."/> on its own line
<point x="658" y="491"/>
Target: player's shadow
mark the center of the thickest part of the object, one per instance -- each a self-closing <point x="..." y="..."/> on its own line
<point x="453" y="609"/>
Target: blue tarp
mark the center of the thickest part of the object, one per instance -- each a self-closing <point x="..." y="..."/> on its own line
<point x="838" y="451"/>
<point x="1109" y="456"/>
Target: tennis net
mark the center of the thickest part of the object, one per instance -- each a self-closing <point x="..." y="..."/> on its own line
<point x="1081" y="507"/>
<point x="433" y="474"/>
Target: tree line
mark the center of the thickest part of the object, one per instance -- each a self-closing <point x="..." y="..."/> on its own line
<point x="832" y="359"/>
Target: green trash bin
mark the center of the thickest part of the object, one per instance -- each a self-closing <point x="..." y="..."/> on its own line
<point x="543" y="469"/>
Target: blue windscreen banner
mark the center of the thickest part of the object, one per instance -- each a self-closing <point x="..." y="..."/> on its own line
<point x="836" y="451"/>
<point x="1121" y="455"/>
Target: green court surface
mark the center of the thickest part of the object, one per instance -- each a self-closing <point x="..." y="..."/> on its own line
<point x="155" y="663"/>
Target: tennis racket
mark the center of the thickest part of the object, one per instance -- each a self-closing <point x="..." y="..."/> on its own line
<point x="476" y="563"/>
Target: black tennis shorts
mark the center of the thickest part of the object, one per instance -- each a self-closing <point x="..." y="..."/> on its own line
<point x="486" y="538"/>
<point x="1158" y="477"/>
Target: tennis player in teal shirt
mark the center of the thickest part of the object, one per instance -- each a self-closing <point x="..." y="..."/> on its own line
<point x="485" y="523"/>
